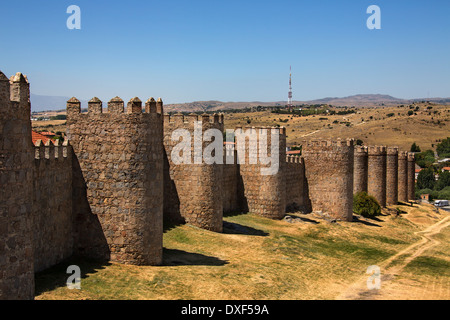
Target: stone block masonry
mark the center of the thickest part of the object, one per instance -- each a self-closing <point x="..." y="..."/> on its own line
<point x="53" y="225"/>
<point x="391" y="176"/>
<point x="360" y="176"/>
<point x="377" y="174"/>
<point x="117" y="180"/>
<point x="329" y="176"/>
<point x="16" y="190"/>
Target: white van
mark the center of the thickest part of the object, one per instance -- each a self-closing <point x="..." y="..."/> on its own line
<point x="441" y="203"/>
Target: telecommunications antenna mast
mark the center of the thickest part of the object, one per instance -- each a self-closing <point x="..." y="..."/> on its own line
<point x="290" y="89"/>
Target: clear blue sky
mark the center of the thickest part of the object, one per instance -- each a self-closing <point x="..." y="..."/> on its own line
<point x="233" y="50"/>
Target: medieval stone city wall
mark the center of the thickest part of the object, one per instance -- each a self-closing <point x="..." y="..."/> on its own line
<point x="16" y="190"/>
<point x="193" y="188"/>
<point x="104" y="193"/>
<point x="118" y="180"/>
<point x="52" y="204"/>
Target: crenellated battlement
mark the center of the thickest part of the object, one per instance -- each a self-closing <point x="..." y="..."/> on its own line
<point x="15" y="96"/>
<point x="411" y="156"/>
<point x="403" y="155"/>
<point x="294" y="159"/>
<point x="361" y="150"/>
<point x="115" y="106"/>
<point x="392" y="151"/>
<point x="181" y="119"/>
<point x="376" y="150"/>
<point x="260" y="130"/>
<point x="329" y="143"/>
<point x="52" y="151"/>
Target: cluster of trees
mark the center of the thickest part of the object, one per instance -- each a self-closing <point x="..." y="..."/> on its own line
<point x="426" y="180"/>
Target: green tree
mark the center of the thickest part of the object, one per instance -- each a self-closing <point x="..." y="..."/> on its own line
<point x="443" y="148"/>
<point x="425" y="159"/>
<point x="425" y="179"/>
<point x="366" y="205"/>
<point x="443" y="181"/>
<point x="415" y="148"/>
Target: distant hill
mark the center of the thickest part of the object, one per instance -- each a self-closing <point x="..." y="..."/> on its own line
<point x="46" y="103"/>
<point x="357" y="101"/>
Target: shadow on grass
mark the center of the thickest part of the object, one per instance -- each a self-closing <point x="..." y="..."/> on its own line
<point x="174" y="257"/>
<point x="304" y="219"/>
<point x="56" y="276"/>
<point x="169" y="225"/>
<point x="234" y="213"/>
<point x="367" y="223"/>
<point x="235" y="228"/>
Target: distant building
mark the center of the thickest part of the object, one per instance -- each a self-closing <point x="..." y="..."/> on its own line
<point x="35" y="136"/>
<point x="417" y="172"/>
<point x="294" y="153"/>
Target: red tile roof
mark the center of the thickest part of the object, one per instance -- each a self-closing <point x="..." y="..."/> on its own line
<point x="446" y="168"/>
<point x="294" y="152"/>
<point x="35" y="136"/>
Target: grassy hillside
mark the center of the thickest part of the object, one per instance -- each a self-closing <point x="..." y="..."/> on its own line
<point x="258" y="258"/>
<point x="390" y="126"/>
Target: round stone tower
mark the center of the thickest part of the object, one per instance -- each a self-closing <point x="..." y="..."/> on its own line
<point x="263" y="172"/>
<point x="403" y="176"/>
<point x="192" y="171"/>
<point x="360" y="169"/>
<point x="377" y="173"/>
<point x="329" y="176"/>
<point x="392" y="176"/>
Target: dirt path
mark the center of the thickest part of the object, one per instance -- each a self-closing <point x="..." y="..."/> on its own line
<point x="311" y="133"/>
<point x="393" y="266"/>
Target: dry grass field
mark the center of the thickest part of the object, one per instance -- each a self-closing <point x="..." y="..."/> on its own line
<point x="258" y="258"/>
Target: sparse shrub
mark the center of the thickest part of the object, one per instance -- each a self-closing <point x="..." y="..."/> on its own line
<point x="415" y="148"/>
<point x="366" y="205"/>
